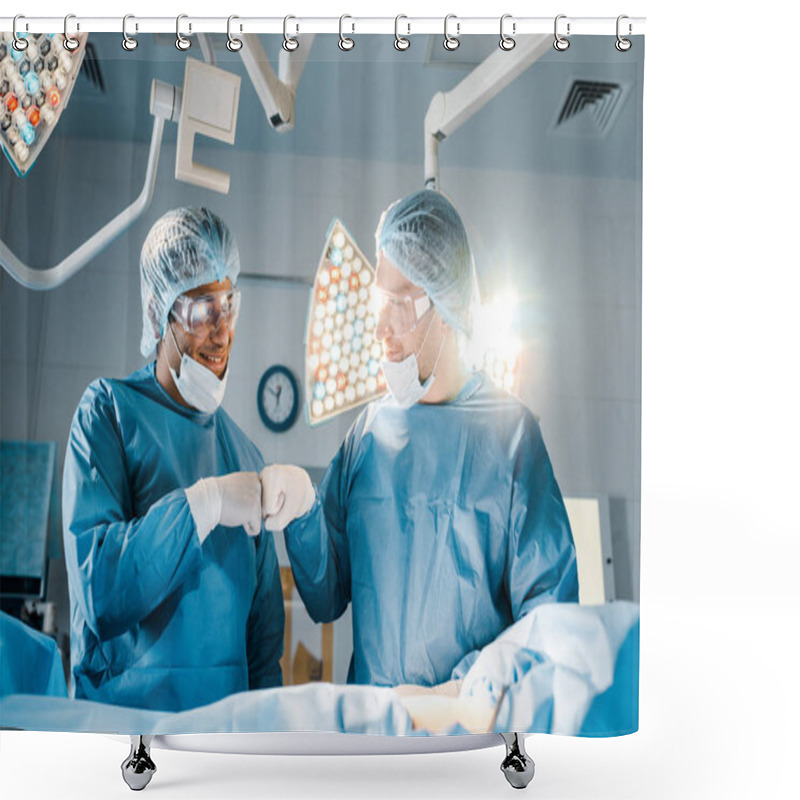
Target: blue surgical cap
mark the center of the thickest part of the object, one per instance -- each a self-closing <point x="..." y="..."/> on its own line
<point x="424" y="237"/>
<point x="186" y="248"/>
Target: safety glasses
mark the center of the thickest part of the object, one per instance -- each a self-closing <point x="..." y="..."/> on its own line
<point x="400" y="313"/>
<point x="203" y="315"/>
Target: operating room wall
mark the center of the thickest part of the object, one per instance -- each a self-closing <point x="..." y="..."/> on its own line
<point x="566" y="244"/>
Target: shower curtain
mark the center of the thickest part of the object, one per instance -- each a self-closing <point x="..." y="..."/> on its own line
<point x="466" y="564"/>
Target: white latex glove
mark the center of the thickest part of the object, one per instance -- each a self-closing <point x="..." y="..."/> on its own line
<point x="286" y="494"/>
<point x="231" y="500"/>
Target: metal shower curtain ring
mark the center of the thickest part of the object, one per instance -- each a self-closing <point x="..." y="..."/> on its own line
<point x="128" y="42"/>
<point x="507" y="42"/>
<point x="345" y="42"/>
<point x="19" y="43"/>
<point x="623" y="45"/>
<point x="233" y="44"/>
<point x="181" y="42"/>
<point x="70" y="43"/>
<point x="561" y="43"/>
<point x="401" y="42"/>
<point x="290" y="43"/>
<point x="451" y="42"/>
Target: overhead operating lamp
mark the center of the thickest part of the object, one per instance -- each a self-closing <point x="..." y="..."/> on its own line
<point x="207" y="104"/>
<point x="342" y="354"/>
<point x="35" y="86"/>
<point x="494" y="346"/>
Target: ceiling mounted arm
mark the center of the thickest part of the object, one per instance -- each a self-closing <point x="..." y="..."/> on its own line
<point x="277" y="93"/>
<point x="448" y="111"/>
<point x="52" y="277"/>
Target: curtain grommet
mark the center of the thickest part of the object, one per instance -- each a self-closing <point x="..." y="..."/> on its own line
<point x="507" y="42"/>
<point x="19" y="43"/>
<point x="233" y="44"/>
<point x="401" y="43"/>
<point x="290" y="43"/>
<point x="129" y="43"/>
<point x="71" y="44"/>
<point x="560" y="43"/>
<point x="181" y="42"/>
<point x="622" y="44"/>
<point x="451" y="43"/>
<point x="345" y="42"/>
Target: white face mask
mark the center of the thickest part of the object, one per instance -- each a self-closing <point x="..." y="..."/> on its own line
<point x="402" y="377"/>
<point x="198" y="385"/>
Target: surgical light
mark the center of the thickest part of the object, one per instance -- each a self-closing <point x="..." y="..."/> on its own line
<point x="35" y="87"/>
<point x="342" y="355"/>
<point x="494" y="347"/>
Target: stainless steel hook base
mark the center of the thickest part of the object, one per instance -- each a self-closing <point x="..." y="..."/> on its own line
<point x="517" y="766"/>
<point x="138" y="768"/>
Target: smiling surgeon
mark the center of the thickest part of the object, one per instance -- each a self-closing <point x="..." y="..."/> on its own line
<point x="439" y="518"/>
<point x="175" y="594"/>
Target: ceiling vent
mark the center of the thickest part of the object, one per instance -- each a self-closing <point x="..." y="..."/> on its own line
<point x="590" y="108"/>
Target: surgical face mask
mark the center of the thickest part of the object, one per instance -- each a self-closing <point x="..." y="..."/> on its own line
<point x="402" y="377"/>
<point x="198" y="385"/>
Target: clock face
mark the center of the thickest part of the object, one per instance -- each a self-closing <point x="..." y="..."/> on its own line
<point x="278" y="399"/>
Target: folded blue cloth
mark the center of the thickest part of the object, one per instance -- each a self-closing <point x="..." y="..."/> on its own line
<point x="29" y="661"/>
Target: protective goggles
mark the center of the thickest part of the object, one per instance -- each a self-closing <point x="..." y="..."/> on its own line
<point x="400" y="313"/>
<point x="203" y="315"/>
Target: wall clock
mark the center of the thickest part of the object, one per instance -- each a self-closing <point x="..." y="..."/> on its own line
<point x="278" y="398"/>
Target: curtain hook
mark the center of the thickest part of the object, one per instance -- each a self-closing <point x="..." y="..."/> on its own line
<point x="345" y="43"/>
<point x="20" y="43"/>
<point x="623" y="45"/>
<point x="560" y="42"/>
<point x="233" y="44"/>
<point x="401" y="42"/>
<point x="70" y="43"/>
<point x="128" y="42"/>
<point x="290" y="43"/>
<point x="451" y="42"/>
<point x="181" y="42"/>
<point x="507" y="42"/>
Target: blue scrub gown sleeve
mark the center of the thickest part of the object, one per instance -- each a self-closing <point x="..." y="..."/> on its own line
<point x="266" y="620"/>
<point x="317" y="544"/>
<point x="540" y="563"/>
<point x="120" y="567"/>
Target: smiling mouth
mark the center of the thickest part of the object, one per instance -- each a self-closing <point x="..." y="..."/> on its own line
<point x="216" y="363"/>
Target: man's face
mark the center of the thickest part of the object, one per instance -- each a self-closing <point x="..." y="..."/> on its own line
<point x="399" y="346"/>
<point x="209" y="347"/>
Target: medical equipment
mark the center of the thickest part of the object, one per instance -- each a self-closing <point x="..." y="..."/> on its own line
<point x="29" y="517"/>
<point x="342" y="354"/>
<point x="206" y="104"/>
<point x="37" y="74"/>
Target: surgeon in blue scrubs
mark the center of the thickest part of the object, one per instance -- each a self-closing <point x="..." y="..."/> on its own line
<point x="439" y="518"/>
<point x="175" y="592"/>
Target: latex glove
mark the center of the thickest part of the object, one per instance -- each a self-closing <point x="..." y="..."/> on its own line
<point x="231" y="500"/>
<point x="286" y="494"/>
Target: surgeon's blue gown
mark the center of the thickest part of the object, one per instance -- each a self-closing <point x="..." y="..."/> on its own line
<point x="160" y="621"/>
<point x="443" y="524"/>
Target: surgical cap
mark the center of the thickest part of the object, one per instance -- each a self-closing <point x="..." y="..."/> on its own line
<point x="186" y="248"/>
<point x="424" y="237"/>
